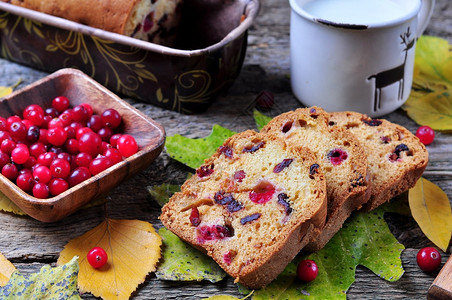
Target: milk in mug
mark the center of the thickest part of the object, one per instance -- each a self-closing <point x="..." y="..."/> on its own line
<point x="354" y="11"/>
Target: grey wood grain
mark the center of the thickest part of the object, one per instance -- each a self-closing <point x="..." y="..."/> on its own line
<point x="30" y="244"/>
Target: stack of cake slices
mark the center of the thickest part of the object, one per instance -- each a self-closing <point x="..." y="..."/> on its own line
<point x="263" y="197"/>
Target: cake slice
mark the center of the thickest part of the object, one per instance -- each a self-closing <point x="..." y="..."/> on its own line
<point x="396" y="157"/>
<point x="340" y="156"/>
<point x="150" y="20"/>
<point x="252" y="206"/>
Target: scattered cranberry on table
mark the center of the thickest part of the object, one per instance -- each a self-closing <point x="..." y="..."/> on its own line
<point x="425" y="134"/>
<point x="307" y="270"/>
<point x="52" y="149"/>
<point x="97" y="257"/>
<point x="428" y="259"/>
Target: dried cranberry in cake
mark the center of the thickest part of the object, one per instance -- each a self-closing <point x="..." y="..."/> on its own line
<point x="204" y="171"/>
<point x="394" y="156"/>
<point x="227" y="151"/>
<point x="250" y="218"/>
<point x="253" y="148"/>
<point x="282" y="199"/>
<point x="372" y="122"/>
<point x="337" y="156"/>
<point x="314" y="113"/>
<point x="385" y="139"/>
<point x="358" y="181"/>
<point x="262" y="193"/>
<point x="223" y="198"/>
<point x="234" y="206"/>
<point x="282" y="165"/>
<point x="229" y="256"/>
<point x="313" y="169"/>
<point x="195" y="220"/>
<point x="239" y="175"/>
<point x="213" y="233"/>
<point x="287" y="126"/>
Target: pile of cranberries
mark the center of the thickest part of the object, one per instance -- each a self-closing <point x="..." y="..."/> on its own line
<point x="50" y="150"/>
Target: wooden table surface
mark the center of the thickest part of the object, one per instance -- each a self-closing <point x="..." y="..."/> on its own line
<point x="30" y="244"/>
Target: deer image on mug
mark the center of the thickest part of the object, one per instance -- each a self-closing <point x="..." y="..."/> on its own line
<point x="355" y="55"/>
<point x="394" y="75"/>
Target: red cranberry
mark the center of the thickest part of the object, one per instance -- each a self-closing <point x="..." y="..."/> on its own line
<point x="99" y="164"/>
<point x="428" y="259"/>
<point x="60" y="103"/>
<point x="10" y="171"/>
<point x="18" y="131"/>
<point x="262" y="193"/>
<point x="42" y="174"/>
<point x="307" y="270"/>
<point x="425" y="134"/>
<point x="25" y="181"/>
<point x="20" y="155"/>
<point x="127" y="145"/>
<point x="57" y="186"/>
<point x="337" y="156"/>
<point x="4" y="159"/>
<point x="56" y="136"/>
<point x="97" y="257"/>
<point x="195" y="220"/>
<point x="40" y="190"/>
<point x="90" y="143"/>
<point x="78" y="175"/>
<point x="111" y="118"/>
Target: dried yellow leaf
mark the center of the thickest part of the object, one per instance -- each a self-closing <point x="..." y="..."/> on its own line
<point x="9" y="206"/>
<point x="133" y="249"/>
<point x="5" y="91"/>
<point x="6" y="270"/>
<point x="430" y="208"/>
<point x="430" y="101"/>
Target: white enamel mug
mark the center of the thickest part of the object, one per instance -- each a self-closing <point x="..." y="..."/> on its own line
<point x="355" y="55"/>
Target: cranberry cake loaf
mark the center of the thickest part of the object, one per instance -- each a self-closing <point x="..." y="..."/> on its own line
<point x="396" y="157"/>
<point x="251" y="206"/>
<point x="340" y="156"/>
<point x="150" y="20"/>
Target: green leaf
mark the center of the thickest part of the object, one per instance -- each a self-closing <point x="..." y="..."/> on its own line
<point x="260" y="119"/>
<point x="49" y="283"/>
<point x="185" y="263"/>
<point x="162" y="193"/>
<point x="365" y="239"/>
<point x="430" y="101"/>
<point x="193" y="152"/>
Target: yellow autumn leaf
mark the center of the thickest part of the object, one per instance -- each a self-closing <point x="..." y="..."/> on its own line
<point x="430" y="207"/>
<point x="9" y="206"/>
<point x="5" y="91"/>
<point x="6" y="269"/>
<point x="430" y="101"/>
<point x="133" y="249"/>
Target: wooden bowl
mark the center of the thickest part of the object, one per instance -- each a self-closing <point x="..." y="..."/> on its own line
<point x="79" y="88"/>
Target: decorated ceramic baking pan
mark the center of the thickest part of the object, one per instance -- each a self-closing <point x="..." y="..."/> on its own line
<point x="210" y="50"/>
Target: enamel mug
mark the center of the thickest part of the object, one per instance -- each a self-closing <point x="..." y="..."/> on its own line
<point x="355" y="55"/>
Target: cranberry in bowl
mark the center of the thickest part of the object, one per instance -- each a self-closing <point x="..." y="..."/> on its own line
<point x="102" y="151"/>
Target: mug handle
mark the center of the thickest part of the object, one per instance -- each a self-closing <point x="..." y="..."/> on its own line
<point x="424" y="15"/>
